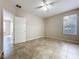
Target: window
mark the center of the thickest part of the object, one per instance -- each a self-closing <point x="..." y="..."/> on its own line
<point x="70" y="24"/>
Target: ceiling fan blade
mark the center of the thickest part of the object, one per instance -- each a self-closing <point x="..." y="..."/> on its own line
<point x="39" y="7"/>
<point x="51" y="3"/>
<point x="44" y="1"/>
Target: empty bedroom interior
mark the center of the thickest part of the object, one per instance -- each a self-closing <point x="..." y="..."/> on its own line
<point x="39" y="29"/>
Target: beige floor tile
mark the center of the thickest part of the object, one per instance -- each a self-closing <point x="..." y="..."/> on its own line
<point x="60" y="56"/>
<point x="73" y="56"/>
<point x="46" y="49"/>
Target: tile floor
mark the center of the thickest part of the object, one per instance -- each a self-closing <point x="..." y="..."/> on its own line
<point x="44" y="48"/>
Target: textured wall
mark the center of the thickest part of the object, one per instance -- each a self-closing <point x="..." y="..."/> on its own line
<point x="54" y="27"/>
<point x="34" y="25"/>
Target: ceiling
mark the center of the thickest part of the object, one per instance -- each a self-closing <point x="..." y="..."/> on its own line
<point x="59" y="7"/>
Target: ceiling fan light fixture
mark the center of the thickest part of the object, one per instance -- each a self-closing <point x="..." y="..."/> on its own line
<point x="42" y="4"/>
<point x="44" y="8"/>
<point x="45" y="5"/>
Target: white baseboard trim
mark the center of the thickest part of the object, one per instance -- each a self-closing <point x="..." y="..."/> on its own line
<point x="51" y="38"/>
<point x="30" y="39"/>
<point x="34" y="38"/>
<point x="63" y="39"/>
<point x="17" y="43"/>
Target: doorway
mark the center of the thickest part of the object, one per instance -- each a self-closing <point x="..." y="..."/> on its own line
<point x="7" y="33"/>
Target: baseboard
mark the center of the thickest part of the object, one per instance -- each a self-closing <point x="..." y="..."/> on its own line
<point x="30" y="39"/>
<point x="51" y="38"/>
<point x="34" y="38"/>
<point x="70" y="41"/>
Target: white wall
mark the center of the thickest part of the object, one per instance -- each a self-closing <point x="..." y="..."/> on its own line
<point x="34" y="25"/>
<point x="54" y="27"/>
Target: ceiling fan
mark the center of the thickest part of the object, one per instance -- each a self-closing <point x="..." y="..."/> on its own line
<point x="45" y="5"/>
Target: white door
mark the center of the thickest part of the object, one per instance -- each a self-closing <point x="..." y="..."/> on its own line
<point x="20" y="30"/>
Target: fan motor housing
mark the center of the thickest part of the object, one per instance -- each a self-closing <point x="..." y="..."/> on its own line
<point x="18" y="6"/>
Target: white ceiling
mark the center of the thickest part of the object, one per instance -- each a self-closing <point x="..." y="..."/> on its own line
<point x="59" y="7"/>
